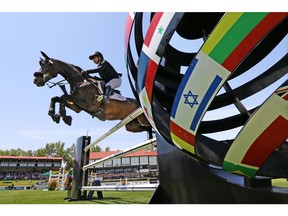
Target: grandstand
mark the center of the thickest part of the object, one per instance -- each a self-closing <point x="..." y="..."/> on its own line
<point x="140" y="164"/>
<point x="27" y="167"/>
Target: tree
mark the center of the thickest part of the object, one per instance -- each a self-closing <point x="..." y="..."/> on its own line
<point x="29" y="153"/>
<point x="4" y="152"/>
<point x="16" y="152"/>
<point x="107" y="149"/>
<point x="96" y="149"/>
<point x="40" y="153"/>
<point x="69" y="155"/>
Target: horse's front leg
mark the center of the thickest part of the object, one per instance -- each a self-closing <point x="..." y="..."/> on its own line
<point x="51" y="111"/>
<point x="67" y="101"/>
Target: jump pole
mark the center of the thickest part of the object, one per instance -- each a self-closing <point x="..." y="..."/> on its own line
<point x="125" y="121"/>
<point x="133" y="187"/>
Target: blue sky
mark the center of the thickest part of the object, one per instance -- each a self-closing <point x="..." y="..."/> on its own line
<point x="72" y="37"/>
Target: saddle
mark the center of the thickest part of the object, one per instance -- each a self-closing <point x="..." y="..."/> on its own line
<point x="100" y="85"/>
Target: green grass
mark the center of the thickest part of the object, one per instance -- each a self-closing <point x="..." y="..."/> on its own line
<point x="280" y="182"/>
<point x="17" y="183"/>
<point x="57" y="197"/>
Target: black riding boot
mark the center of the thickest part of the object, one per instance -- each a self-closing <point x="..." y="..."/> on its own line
<point x="108" y="91"/>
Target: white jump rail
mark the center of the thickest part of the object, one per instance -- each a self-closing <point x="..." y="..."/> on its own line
<point x="138" y="147"/>
<point x="125" y="121"/>
<point x="132" y="187"/>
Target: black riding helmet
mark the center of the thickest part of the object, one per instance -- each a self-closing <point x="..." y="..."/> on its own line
<point x="96" y="54"/>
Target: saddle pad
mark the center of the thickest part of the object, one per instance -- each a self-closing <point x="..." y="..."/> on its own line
<point x="116" y="96"/>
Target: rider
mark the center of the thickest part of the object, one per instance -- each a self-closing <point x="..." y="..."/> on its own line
<point x="107" y="73"/>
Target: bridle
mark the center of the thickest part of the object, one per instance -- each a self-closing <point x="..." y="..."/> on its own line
<point x="45" y="71"/>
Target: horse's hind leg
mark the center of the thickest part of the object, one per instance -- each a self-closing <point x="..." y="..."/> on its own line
<point x="51" y="111"/>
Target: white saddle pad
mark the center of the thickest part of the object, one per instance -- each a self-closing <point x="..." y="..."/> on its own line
<point x="117" y="97"/>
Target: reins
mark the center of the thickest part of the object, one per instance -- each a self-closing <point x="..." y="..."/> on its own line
<point x="59" y="83"/>
<point x="62" y="85"/>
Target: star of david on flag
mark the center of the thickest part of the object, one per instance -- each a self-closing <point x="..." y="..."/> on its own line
<point x="190" y="99"/>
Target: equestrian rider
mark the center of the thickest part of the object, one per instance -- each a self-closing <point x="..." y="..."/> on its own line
<point x="107" y="73"/>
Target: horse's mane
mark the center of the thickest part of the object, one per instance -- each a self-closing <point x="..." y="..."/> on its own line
<point x="71" y="66"/>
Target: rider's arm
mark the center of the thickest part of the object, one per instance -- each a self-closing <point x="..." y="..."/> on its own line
<point x="99" y="69"/>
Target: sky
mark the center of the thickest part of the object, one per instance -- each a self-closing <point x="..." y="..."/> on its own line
<point x="71" y="37"/>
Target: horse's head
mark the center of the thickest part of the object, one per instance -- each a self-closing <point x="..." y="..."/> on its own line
<point x="46" y="71"/>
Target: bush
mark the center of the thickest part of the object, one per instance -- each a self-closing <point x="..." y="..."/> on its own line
<point x="52" y="184"/>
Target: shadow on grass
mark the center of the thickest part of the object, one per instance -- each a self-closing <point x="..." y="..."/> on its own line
<point x="105" y="200"/>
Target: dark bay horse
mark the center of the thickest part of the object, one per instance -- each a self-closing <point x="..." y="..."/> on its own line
<point x="83" y="96"/>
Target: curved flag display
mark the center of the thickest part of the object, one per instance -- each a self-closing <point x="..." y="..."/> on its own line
<point x="233" y="38"/>
<point x="182" y="89"/>
<point x="265" y="131"/>
<point x="150" y="59"/>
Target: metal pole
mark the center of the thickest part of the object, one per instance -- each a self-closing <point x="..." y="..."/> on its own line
<point x="125" y="121"/>
<point x="134" y="187"/>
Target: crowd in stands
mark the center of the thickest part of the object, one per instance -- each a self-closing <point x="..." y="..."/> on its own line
<point x="20" y="175"/>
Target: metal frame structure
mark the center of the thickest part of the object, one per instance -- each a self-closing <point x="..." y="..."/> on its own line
<point x="81" y="162"/>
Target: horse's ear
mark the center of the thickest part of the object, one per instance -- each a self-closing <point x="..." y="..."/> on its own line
<point x="44" y="55"/>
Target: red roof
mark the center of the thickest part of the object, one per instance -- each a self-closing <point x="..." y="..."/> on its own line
<point x="30" y="157"/>
<point x="100" y="155"/>
<point x="142" y="153"/>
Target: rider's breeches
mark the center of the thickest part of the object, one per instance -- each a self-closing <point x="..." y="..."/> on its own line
<point x="114" y="83"/>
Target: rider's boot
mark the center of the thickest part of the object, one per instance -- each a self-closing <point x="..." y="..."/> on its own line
<point x="108" y="91"/>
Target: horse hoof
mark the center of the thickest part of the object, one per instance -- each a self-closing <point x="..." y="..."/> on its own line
<point x="56" y="118"/>
<point x="51" y="112"/>
<point x="67" y="120"/>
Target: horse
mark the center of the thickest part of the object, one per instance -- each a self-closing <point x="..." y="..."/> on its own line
<point x="84" y="93"/>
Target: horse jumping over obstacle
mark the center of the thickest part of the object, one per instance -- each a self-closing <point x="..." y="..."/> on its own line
<point x="83" y="96"/>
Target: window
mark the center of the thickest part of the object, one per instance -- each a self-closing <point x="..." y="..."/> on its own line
<point x="108" y="163"/>
<point x="117" y="162"/>
<point x="144" y="160"/>
<point x="125" y="161"/>
<point x="134" y="160"/>
<point x="153" y="160"/>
